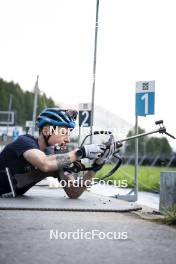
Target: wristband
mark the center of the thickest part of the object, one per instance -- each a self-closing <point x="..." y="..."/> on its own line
<point x="80" y="153"/>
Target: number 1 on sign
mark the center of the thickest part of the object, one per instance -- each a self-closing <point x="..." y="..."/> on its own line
<point x="145" y="98"/>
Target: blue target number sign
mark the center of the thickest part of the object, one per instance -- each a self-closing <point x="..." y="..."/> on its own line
<point x="145" y="98"/>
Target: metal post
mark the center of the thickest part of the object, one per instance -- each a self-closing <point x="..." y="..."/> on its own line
<point x="167" y="190"/>
<point x="133" y="197"/>
<point x="9" y="110"/>
<point x="36" y="91"/>
<point x="136" y="161"/>
<point x="79" y="136"/>
<point x="94" y="70"/>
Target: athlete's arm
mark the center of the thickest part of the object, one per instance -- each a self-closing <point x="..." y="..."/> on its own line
<point x="56" y="162"/>
<point x="49" y="163"/>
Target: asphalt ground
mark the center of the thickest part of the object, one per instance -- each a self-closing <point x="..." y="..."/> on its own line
<point x="60" y="237"/>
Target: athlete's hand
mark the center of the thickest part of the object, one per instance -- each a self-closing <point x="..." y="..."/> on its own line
<point x="108" y="152"/>
<point x="92" y="151"/>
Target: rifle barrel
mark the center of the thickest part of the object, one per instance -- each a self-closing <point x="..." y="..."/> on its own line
<point x="143" y="134"/>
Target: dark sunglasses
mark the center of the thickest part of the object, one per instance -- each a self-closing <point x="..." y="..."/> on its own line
<point x="72" y="113"/>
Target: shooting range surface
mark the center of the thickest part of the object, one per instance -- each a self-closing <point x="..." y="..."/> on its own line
<point x="42" y="198"/>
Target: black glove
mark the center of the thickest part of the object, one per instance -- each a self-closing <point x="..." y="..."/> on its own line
<point x="96" y="167"/>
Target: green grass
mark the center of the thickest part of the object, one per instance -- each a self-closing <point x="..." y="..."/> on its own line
<point x="149" y="177"/>
<point x="170" y="215"/>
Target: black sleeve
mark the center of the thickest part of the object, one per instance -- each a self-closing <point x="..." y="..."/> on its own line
<point x="24" y="143"/>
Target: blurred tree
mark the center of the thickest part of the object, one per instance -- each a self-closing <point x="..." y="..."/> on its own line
<point x="22" y="102"/>
<point x="147" y="145"/>
<point x="158" y="146"/>
<point x="130" y="145"/>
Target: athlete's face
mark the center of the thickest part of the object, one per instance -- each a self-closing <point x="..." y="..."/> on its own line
<point x="59" y="135"/>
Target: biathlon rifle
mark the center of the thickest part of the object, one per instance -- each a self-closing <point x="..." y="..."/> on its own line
<point x="79" y="166"/>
